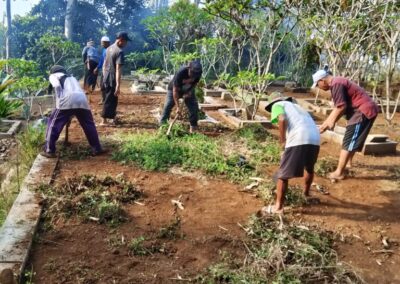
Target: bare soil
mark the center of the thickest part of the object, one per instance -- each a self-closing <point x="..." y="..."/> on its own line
<point x="364" y="209"/>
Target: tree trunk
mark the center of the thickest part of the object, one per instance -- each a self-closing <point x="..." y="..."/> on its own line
<point x="8" y="34"/>
<point x="69" y="19"/>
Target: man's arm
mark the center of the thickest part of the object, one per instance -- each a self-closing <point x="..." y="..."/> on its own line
<point x="175" y="95"/>
<point x="118" y="74"/>
<point x="282" y="130"/>
<point x="330" y="122"/>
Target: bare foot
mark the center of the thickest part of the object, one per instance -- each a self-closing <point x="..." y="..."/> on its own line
<point x="270" y="210"/>
<point x="335" y="176"/>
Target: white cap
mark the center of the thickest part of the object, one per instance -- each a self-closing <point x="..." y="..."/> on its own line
<point x="105" y="38"/>
<point x="320" y="74"/>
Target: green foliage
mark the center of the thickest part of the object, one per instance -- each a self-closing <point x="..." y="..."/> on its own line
<point x="283" y="254"/>
<point x="7" y="107"/>
<point x="30" y="142"/>
<point x="171" y="231"/>
<point x="148" y="59"/>
<point x="136" y="246"/>
<point x="192" y="152"/>
<point x="52" y="49"/>
<point x="325" y="166"/>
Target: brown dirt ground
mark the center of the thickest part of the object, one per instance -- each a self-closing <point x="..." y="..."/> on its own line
<point x="363" y="209"/>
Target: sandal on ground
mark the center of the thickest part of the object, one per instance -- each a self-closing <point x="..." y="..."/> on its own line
<point x="270" y="210"/>
<point x="48" y="154"/>
<point x="101" y="152"/>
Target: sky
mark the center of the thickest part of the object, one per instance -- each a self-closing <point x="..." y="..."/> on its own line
<point x="18" y="7"/>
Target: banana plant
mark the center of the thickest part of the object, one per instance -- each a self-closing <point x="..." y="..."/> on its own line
<point x="7" y="107"/>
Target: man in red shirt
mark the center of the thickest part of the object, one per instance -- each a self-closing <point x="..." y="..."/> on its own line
<point x="351" y="100"/>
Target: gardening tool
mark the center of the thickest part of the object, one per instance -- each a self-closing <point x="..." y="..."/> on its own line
<point x="170" y="126"/>
<point x="172" y="123"/>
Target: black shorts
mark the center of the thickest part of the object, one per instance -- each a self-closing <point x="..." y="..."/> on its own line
<point x="297" y="159"/>
<point x="356" y="134"/>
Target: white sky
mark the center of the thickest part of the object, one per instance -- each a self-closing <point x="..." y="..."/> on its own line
<point x="18" y="7"/>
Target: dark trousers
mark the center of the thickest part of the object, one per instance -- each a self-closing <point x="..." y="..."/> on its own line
<point x="190" y="102"/>
<point x="90" y="76"/>
<point x="60" y="117"/>
<point x="102" y="88"/>
<point x="110" y="103"/>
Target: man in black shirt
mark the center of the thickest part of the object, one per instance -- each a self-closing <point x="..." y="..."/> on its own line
<point x="112" y="72"/>
<point x="183" y="86"/>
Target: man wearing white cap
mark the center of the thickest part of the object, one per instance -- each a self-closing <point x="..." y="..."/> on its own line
<point x="351" y="100"/>
<point x="105" y="43"/>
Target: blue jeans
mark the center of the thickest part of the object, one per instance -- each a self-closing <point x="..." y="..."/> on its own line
<point x="190" y="102"/>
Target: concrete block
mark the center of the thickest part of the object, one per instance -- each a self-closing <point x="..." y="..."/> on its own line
<point x="227" y="115"/>
<point x="212" y="93"/>
<point x="18" y="230"/>
<point x="380" y="148"/>
<point x="377" y="138"/>
<point x="14" y="127"/>
<point x="205" y="107"/>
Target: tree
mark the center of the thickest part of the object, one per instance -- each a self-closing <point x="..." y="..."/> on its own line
<point x="9" y="27"/>
<point x="69" y="19"/>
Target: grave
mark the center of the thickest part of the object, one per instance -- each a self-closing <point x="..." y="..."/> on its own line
<point x="239" y="122"/>
<point x="376" y="144"/>
<point x="323" y="106"/>
<point x="8" y="128"/>
<point x="379" y="144"/>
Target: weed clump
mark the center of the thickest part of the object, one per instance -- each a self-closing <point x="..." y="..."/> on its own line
<point x="192" y="152"/>
<point x="89" y="198"/>
<point x="288" y="254"/>
<point x="325" y="165"/>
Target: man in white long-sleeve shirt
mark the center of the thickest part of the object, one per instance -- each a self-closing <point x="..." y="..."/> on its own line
<point x="70" y="101"/>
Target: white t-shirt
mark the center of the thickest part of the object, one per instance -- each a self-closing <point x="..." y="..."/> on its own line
<point x="71" y="96"/>
<point x="301" y="128"/>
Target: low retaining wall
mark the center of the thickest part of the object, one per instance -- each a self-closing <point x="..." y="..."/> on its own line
<point x="20" y="226"/>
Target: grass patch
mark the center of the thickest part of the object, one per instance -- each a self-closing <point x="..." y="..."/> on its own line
<point x="221" y="156"/>
<point x="325" y="165"/>
<point x="29" y="142"/>
<point x="288" y="254"/>
<point x="171" y="231"/>
<point x="89" y="198"/>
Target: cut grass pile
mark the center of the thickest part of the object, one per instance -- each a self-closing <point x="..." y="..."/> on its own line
<point x="223" y="156"/>
<point x="89" y="197"/>
<point x="283" y="254"/>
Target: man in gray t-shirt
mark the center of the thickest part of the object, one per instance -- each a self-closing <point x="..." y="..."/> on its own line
<point x="112" y="72"/>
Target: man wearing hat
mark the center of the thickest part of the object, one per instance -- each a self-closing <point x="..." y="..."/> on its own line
<point x="112" y="72"/>
<point x="70" y="101"/>
<point x="105" y="43"/>
<point x="91" y="59"/>
<point x="360" y="110"/>
<point x="300" y="139"/>
<point x="183" y="86"/>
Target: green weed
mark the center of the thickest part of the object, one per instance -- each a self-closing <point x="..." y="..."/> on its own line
<point x="192" y="152"/>
<point x="29" y="142"/>
<point x="325" y="165"/>
<point x="136" y="246"/>
<point x="171" y="231"/>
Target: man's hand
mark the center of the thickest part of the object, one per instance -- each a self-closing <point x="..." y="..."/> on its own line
<point x="327" y="125"/>
<point x="117" y="91"/>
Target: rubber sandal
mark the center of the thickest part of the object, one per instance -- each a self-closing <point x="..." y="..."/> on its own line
<point x="269" y="210"/>
<point x="332" y="177"/>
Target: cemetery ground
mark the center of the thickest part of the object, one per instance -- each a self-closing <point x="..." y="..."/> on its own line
<point x="182" y="225"/>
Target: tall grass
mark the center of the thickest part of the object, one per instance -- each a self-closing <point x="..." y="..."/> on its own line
<point x="29" y="144"/>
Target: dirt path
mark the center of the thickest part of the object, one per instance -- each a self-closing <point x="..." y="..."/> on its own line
<point x="363" y="209"/>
